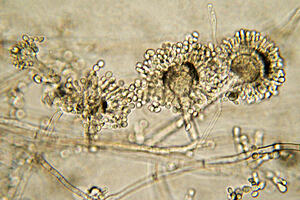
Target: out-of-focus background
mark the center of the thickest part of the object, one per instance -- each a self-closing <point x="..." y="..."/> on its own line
<point x="119" y="32"/>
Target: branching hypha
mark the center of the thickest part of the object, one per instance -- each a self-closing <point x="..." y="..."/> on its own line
<point x="188" y="77"/>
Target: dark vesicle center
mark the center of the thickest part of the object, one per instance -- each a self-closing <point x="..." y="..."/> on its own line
<point x="266" y="62"/>
<point x="104" y="105"/>
<point x="193" y="71"/>
<point x="180" y="78"/>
